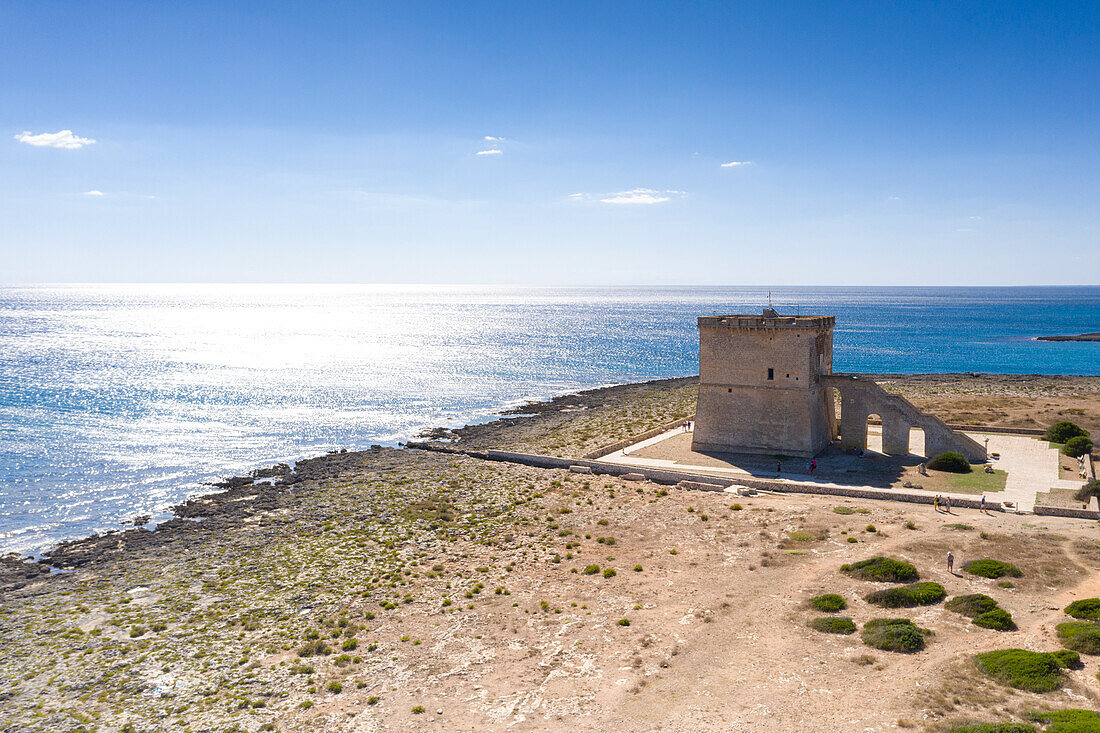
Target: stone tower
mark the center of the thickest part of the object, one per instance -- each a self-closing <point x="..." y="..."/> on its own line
<point x="760" y="387"/>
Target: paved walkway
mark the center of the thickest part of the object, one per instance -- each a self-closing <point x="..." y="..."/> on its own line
<point x="1032" y="466"/>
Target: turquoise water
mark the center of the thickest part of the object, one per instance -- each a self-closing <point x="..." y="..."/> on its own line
<point x="119" y="400"/>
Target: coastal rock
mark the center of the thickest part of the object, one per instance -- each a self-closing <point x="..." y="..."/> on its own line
<point x="15" y="572"/>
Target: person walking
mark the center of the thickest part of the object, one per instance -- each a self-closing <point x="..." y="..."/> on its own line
<point x="981" y="505"/>
<point x="936" y="502"/>
<point x="778" y="468"/>
<point x="813" y="467"/>
<point x="950" y="563"/>
<point x="947" y="504"/>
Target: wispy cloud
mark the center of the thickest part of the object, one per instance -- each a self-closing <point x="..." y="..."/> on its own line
<point x="736" y="163"/>
<point x="637" y="196"/>
<point x="975" y="218"/>
<point x="493" y="151"/>
<point x="93" y="192"/>
<point x="893" y="198"/>
<point x="65" y="139"/>
<point x="493" y="139"/>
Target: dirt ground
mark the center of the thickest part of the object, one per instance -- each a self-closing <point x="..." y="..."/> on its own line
<point x="408" y="590"/>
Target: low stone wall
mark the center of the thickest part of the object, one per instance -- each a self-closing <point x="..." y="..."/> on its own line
<point x="609" y="449"/>
<point x="664" y="476"/>
<point x="1061" y="511"/>
<point x="998" y="431"/>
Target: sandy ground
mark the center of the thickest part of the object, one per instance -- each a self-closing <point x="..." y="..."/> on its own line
<point x="362" y="595"/>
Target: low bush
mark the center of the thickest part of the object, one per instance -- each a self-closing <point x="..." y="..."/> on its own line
<point x="997" y="619"/>
<point x="1068" y="721"/>
<point x="592" y="570"/>
<point x="1079" y="446"/>
<point x="1024" y="670"/>
<point x="833" y="625"/>
<point x="1089" y="490"/>
<point x="609" y="573"/>
<point x="1080" y="636"/>
<point x="950" y="462"/>
<point x="882" y="569"/>
<point x="987" y="568"/>
<point x="829" y="603"/>
<point x="907" y="596"/>
<point x="1063" y="432"/>
<point x="801" y="535"/>
<point x="1086" y="608"/>
<point x="973" y="605"/>
<point x="844" y="510"/>
<point x="1068" y="658"/>
<point x="893" y="635"/>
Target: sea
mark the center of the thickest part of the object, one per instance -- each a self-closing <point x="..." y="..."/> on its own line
<point x="118" y="401"/>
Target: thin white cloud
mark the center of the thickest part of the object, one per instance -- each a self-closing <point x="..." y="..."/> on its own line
<point x="493" y="151"/>
<point x="493" y="139"/>
<point x="975" y="218"/>
<point x="65" y="139"/>
<point x="93" y="192"/>
<point x="736" y="163"/>
<point x="640" y="196"/>
<point x="893" y="198"/>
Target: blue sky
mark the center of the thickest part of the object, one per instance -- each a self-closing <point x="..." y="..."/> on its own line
<point x="551" y="143"/>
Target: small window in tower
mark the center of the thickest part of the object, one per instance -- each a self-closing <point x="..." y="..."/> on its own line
<point x="788" y="376"/>
<point x="771" y="374"/>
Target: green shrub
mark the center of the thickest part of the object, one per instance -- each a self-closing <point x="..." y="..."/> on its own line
<point x="592" y="570"/>
<point x="1080" y="636"/>
<point x="1089" y="490"/>
<point x="844" y="510"/>
<point x="1065" y="431"/>
<point x="623" y="622"/>
<point x="418" y="709"/>
<point x="882" y="569"/>
<point x="802" y="536"/>
<point x="907" y="596"/>
<point x="334" y="687"/>
<point x="950" y="462"/>
<point x="973" y="605"/>
<point x="893" y="635"/>
<point x="829" y="603"/>
<point x="1086" y="608"/>
<point x="609" y="573"/>
<point x="1024" y="670"/>
<point x="994" y="728"/>
<point x="1079" y="446"/>
<point x="1069" y="721"/>
<point x="1068" y="659"/>
<point x="997" y="619"/>
<point x="833" y="625"/>
<point x="991" y="568"/>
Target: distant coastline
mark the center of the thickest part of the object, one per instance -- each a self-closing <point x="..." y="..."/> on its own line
<point x="1078" y="337"/>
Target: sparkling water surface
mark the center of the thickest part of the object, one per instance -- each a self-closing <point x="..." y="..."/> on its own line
<point x="119" y="400"/>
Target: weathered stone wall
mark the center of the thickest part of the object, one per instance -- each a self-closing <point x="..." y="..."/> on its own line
<point x="759" y="387"/>
<point x="862" y="397"/>
<point x="667" y="477"/>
